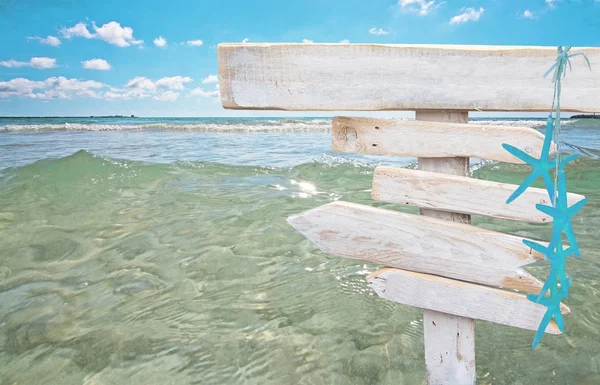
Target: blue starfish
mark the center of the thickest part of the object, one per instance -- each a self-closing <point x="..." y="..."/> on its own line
<point x="557" y="256"/>
<point x="541" y="166"/>
<point x="562" y="214"/>
<point x="553" y="305"/>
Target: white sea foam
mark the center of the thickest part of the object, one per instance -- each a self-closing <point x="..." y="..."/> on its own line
<point x="532" y="123"/>
<point x="235" y="125"/>
<point x="221" y="125"/>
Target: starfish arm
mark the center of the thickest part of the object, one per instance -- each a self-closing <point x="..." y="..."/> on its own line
<point x="563" y="161"/>
<point x="576" y="207"/>
<point x="566" y="286"/>
<point x="562" y="185"/>
<point x="542" y="301"/>
<point x="565" y="283"/>
<point x="549" y="184"/>
<point x="550" y="282"/>
<point x="547" y="138"/>
<point x="573" y="245"/>
<point x="542" y="328"/>
<point x="549" y="210"/>
<point x="536" y="246"/>
<point x="560" y="321"/>
<point x="521" y="189"/>
<point x="558" y="227"/>
<point x="520" y="154"/>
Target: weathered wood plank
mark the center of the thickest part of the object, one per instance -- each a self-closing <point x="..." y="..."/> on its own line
<point x="432" y="139"/>
<point x="460" y="194"/>
<point x="419" y="243"/>
<point x="460" y="298"/>
<point x="459" y="365"/>
<point x="341" y="77"/>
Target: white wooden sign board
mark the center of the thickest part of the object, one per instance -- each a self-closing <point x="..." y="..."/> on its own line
<point x="436" y="261"/>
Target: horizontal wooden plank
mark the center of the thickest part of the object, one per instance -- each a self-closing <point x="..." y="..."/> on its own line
<point x="460" y="194"/>
<point x="419" y="243"/>
<point x="339" y="77"/>
<point x="432" y="139"/>
<point x="460" y="298"/>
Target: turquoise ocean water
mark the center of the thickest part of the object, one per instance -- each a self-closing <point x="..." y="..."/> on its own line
<point x="156" y="251"/>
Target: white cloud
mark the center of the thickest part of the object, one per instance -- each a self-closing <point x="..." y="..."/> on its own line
<point x="528" y="14"/>
<point x="113" y="33"/>
<point x="210" y="79"/>
<point x="307" y="41"/>
<point x="49" y="40"/>
<point x="14" y="64"/>
<point x="96" y="64"/>
<point x="469" y="14"/>
<point x="51" y="88"/>
<point x="34" y="62"/>
<point x="167" y="96"/>
<point x="165" y="89"/>
<point x="378" y="31"/>
<point x="42" y="62"/>
<point x="206" y="94"/>
<point x="160" y="42"/>
<point x="20" y="87"/>
<point x="551" y="3"/>
<point x="142" y="87"/>
<point x="78" y="30"/>
<point x="345" y="41"/>
<point x="173" y="83"/>
<point x="245" y="40"/>
<point x="114" y="95"/>
<point x="64" y="88"/>
<point x="422" y="7"/>
<point x="141" y="83"/>
<point x="126" y="94"/>
<point x="194" y="43"/>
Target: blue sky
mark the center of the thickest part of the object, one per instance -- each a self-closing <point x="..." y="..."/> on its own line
<point x="159" y="58"/>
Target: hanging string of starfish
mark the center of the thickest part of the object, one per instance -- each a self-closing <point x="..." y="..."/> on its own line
<point x="557" y="283"/>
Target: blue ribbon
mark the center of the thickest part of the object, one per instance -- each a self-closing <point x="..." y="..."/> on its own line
<point x="562" y="60"/>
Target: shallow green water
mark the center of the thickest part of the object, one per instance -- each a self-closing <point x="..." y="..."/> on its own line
<point x="131" y="272"/>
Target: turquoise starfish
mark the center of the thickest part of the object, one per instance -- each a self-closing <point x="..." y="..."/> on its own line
<point x="557" y="256"/>
<point x="560" y="211"/>
<point x="562" y="214"/>
<point x="553" y="305"/>
<point x="541" y="166"/>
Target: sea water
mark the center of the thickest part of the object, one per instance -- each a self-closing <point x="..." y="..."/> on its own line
<point x="156" y="251"/>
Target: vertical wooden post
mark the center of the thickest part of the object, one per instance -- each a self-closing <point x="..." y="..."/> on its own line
<point x="449" y="340"/>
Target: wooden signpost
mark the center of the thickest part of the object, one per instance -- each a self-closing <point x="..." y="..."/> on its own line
<point x="437" y="260"/>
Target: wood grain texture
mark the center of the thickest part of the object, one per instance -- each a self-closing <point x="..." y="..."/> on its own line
<point x="459" y="365"/>
<point x="460" y="298"/>
<point x="452" y="193"/>
<point x="338" y="77"/>
<point x="419" y="243"/>
<point x="432" y="139"/>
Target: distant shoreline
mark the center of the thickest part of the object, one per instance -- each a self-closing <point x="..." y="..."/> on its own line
<point x="70" y="117"/>
<point x="583" y="116"/>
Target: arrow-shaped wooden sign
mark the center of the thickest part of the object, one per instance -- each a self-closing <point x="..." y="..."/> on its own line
<point x="460" y="194"/>
<point x="419" y="243"/>
<point x="460" y="298"/>
<point x="432" y="139"/>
